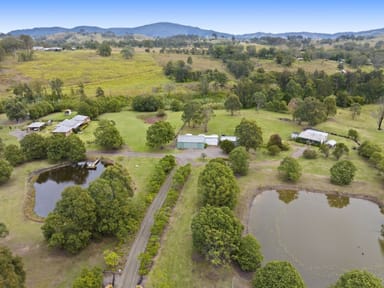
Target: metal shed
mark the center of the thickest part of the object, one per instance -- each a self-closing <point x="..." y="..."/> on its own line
<point x="190" y="142"/>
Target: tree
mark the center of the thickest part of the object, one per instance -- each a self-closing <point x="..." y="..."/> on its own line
<point x="310" y="110"/>
<point x="249" y="134"/>
<point x="353" y="134"/>
<point x="358" y="279"/>
<point x="324" y="149"/>
<point x="111" y="259"/>
<point x="227" y="146"/>
<point x="330" y="105"/>
<point x="232" y="104"/>
<point x="4" y="232"/>
<point x="217" y="186"/>
<point x="70" y="224"/>
<point x="13" y="154"/>
<point x="339" y="150"/>
<point x="216" y="233"/>
<point x="69" y="148"/>
<point x="89" y="278"/>
<point x="127" y="52"/>
<point x="260" y="99"/>
<point x="379" y="114"/>
<point x="107" y="135"/>
<point x="189" y="112"/>
<point x="104" y="49"/>
<point x="100" y="92"/>
<point x="189" y="60"/>
<point x="159" y="134"/>
<point x="15" y="110"/>
<point x="12" y="274"/>
<point x="249" y="257"/>
<point x="238" y="159"/>
<point x="367" y="148"/>
<point x="277" y="274"/>
<point x="290" y="169"/>
<point x="355" y="110"/>
<point x="147" y="103"/>
<point x="56" y="89"/>
<point x="206" y="112"/>
<point x="34" y="146"/>
<point x="343" y="172"/>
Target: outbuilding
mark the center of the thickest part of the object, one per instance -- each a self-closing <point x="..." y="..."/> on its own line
<point x="313" y="137"/>
<point x="35" y="126"/>
<point x="189" y="141"/>
<point x="211" y="140"/>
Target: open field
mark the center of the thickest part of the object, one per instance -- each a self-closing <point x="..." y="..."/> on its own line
<point x="45" y="267"/>
<point x="114" y="74"/>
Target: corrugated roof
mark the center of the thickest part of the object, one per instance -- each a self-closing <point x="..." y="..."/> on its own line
<point x="314" y="135"/>
<point x="191" y="138"/>
<point x="36" y="125"/>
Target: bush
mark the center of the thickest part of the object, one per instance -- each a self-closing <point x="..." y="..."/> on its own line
<point x="227" y="146"/>
<point x="238" y="159"/>
<point x="13" y="154"/>
<point x="5" y="171"/>
<point x="358" y="279"/>
<point x="310" y="154"/>
<point x="147" y="103"/>
<point x="290" y="169"/>
<point x="249" y="257"/>
<point x="3" y="230"/>
<point x="274" y="150"/>
<point x="343" y="172"/>
<point x="367" y="148"/>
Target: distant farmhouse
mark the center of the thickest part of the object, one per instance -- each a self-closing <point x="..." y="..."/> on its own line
<point x="313" y="137"/>
<point x="67" y="126"/>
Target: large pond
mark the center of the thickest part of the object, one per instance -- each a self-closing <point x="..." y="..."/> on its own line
<point x="51" y="184"/>
<point x="323" y="236"/>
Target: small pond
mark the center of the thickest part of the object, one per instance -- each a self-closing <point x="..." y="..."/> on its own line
<point x="323" y="236"/>
<point x="50" y="184"/>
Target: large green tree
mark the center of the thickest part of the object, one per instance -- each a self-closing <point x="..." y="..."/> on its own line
<point x="239" y="161"/>
<point x="70" y="224"/>
<point x="13" y="154"/>
<point x="107" y="135"/>
<point x="217" y="185"/>
<point x="343" y="172"/>
<point x="12" y="274"/>
<point x="310" y="110"/>
<point x="277" y="274"/>
<point x="190" y="112"/>
<point x="69" y="148"/>
<point x="339" y="150"/>
<point x="159" y="134"/>
<point x="216" y="233"/>
<point x="249" y="134"/>
<point x="15" y="110"/>
<point x="34" y="146"/>
<point x="358" y="279"/>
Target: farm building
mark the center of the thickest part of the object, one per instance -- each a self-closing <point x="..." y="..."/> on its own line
<point x="311" y="136"/>
<point x="67" y="126"/>
<point x="189" y="141"/>
<point x="35" y="126"/>
<point x="229" y="138"/>
<point x="211" y="140"/>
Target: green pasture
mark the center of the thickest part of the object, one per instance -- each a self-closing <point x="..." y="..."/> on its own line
<point x="114" y="74"/>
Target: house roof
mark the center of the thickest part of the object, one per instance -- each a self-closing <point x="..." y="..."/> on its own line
<point x="191" y="138"/>
<point x="314" y="135"/>
<point x="80" y="118"/>
<point x="229" y="138"/>
<point x="62" y="129"/>
<point x="36" y="125"/>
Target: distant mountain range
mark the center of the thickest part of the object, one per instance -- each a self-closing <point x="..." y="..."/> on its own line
<point x="165" y="29"/>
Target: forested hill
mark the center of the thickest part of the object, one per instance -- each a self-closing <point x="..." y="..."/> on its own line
<point x="165" y="29"/>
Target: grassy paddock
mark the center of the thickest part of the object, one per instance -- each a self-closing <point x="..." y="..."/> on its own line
<point x="114" y="74"/>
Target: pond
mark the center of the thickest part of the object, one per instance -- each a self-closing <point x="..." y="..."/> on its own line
<point x="323" y="236"/>
<point x="50" y="184"/>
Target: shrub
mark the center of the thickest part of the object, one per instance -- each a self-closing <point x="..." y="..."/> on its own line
<point x="249" y="257"/>
<point x="343" y="172"/>
<point x="310" y="154"/>
<point x="274" y="150"/>
<point x="227" y="146"/>
<point x="238" y="159"/>
<point x="367" y="148"/>
<point x="290" y="169"/>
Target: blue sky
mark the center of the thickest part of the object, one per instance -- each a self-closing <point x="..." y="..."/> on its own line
<point x="236" y="16"/>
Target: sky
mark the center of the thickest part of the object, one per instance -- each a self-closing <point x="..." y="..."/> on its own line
<point x="235" y="16"/>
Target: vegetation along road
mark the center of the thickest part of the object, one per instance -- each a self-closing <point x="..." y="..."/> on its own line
<point x="130" y="276"/>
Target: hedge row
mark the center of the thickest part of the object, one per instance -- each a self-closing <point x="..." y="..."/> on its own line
<point x="162" y="169"/>
<point x="162" y="218"/>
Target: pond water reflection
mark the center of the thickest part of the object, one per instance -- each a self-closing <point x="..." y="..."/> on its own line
<point x="323" y="236"/>
<point x="50" y="184"/>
